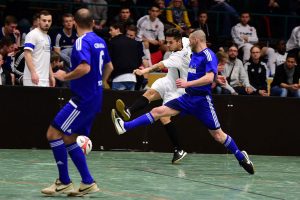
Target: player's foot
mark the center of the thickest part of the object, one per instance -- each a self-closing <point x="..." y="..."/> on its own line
<point x="85" y="189"/>
<point x="246" y="163"/>
<point x="121" y="108"/>
<point x="58" y="188"/>
<point x="118" y="122"/>
<point x="178" y="155"/>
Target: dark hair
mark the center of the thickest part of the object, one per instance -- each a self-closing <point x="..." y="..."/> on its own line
<point x="291" y="55"/>
<point x="9" y="19"/>
<point x="132" y="28"/>
<point x="67" y="15"/>
<point x="44" y="12"/>
<point x="83" y="18"/>
<point x="120" y="26"/>
<point x="254" y="46"/>
<point x="173" y="32"/>
<point x="6" y="41"/>
<point x="154" y="5"/>
<point x="54" y="56"/>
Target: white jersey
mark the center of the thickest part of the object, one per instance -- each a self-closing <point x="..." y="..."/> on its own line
<point x="177" y="64"/>
<point x="152" y="30"/>
<point x="294" y="40"/>
<point x="239" y="30"/>
<point x="39" y="43"/>
<point x="279" y="58"/>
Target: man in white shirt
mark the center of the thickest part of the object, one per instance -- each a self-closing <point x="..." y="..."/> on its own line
<point x="38" y="71"/>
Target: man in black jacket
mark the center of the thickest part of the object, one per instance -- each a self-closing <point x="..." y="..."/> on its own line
<point x="126" y="55"/>
<point x="286" y="79"/>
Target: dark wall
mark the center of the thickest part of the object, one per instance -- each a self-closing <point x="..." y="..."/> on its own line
<point x="261" y="125"/>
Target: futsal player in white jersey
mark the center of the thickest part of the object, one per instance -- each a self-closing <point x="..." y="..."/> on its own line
<point x="165" y="88"/>
<point x="38" y="71"/>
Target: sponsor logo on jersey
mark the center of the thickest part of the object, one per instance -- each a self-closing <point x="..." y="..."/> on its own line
<point x="99" y="45"/>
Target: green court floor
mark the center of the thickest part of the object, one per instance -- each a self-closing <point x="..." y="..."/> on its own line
<point x="150" y="176"/>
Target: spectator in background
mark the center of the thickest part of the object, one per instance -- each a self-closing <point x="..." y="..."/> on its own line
<point x="5" y="76"/>
<point x="65" y="38"/>
<point x="244" y="35"/>
<point x="99" y="10"/>
<point x="18" y="66"/>
<point x="151" y="32"/>
<point x="286" y="80"/>
<point x="124" y="17"/>
<point x="10" y="30"/>
<point x="34" y="25"/>
<point x="141" y="81"/>
<point x="38" y="71"/>
<point x="235" y="73"/>
<point x="126" y="55"/>
<point x="293" y="44"/>
<point x="202" y="24"/>
<point x="257" y="72"/>
<point x="177" y="14"/>
<point x="57" y="64"/>
<point x="280" y="54"/>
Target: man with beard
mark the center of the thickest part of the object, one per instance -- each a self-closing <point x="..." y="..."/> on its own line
<point x="38" y="71"/>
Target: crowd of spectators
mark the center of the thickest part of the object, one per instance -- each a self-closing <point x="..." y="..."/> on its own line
<point x="135" y="39"/>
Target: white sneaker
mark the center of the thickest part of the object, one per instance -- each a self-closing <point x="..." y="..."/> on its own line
<point x="120" y="106"/>
<point x="85" y="189"/>
<point x="58" y="188"/>
<point x="118" y="122"/>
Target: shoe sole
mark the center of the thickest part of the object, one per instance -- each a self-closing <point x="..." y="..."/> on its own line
<point x="67" y="190"/>
<point x="121" y="108"/>
<point x="178" y="160"/>
<point x="113" y="117"/>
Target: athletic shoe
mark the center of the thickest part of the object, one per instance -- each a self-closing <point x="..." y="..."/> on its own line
<point x="178" y="155"/>
<point x="120" y="105"/>
<point x="246" y="163"/>
<point x="118" y="122"/>
<point x="85" y="189"/>
<point x="58" y="188"/>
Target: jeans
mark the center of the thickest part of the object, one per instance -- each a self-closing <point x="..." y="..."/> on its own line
<point x="283" y="92"/>
<point x="126" y="85"/>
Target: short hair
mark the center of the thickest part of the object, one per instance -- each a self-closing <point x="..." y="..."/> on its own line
<point x="221" y="55"/>
<point x="10" y="19"/>
<point x="119" y="25"/>
<point x="154" y="5"/>
<point x="83" y="18"/>
<point x="54" y="56"/>
<point x="67" y="15"/>
<point x="6" y="41"/>
<point x="44" y="12"/>
<point x="173" y="32"/>
<point x="132" y="27"/>
<point x="292" y="55"/>
<point x="199" y="34"/>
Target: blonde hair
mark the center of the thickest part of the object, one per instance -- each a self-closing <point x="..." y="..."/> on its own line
<point x="199" y="34"/>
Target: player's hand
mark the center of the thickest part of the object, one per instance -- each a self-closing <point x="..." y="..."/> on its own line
<point x="140" y="72"/>
<point x="60" y="75"/>
<point x="181" y="83"/>
<point x="35" y="78"/>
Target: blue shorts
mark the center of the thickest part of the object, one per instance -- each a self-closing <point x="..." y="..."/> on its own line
<point x="199" y="106"/>
<point x="77" y="119"/>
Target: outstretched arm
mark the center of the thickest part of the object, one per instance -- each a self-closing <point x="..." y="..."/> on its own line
<point x="208" y="78"/>
<point x="78" y="72"/>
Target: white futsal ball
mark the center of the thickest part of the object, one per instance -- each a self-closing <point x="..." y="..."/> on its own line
<point x="85" y="144"/>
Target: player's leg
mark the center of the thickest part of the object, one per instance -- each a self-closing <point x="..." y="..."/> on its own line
<point x="143" y="120"/>
<point x="87" y="185"/>
<point x="63" y="184"/>
<point x="230" y="144"/>
<point x="171" y="130"/>
<point x="140" y="103"/>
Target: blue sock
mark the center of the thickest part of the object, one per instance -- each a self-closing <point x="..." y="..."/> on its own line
<point x="231" y="146"/>
<point x="79" y="160"/>
<point x="61" y="157"/>
<point x="143" y="120"/>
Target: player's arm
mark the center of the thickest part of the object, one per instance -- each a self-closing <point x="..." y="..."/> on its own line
<point x="208" y="78"/>
<point x="30" y="65"/>
<point x="108" y="68"/>
<point x="78" y="72"/>
<point x="155" y="67"/>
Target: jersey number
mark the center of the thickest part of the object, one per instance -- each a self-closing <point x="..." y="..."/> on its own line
<point x="101" y="62"/>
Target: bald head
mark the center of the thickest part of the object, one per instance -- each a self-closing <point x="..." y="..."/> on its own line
<point x="83" y="18"/>
<point x="199" y="34"/>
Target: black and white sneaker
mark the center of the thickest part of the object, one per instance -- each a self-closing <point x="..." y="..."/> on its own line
<point x="118" y="122"/>
<point x="247" y="164"/>
<point x="178" y="155"/>
<point x="121" y="108"/>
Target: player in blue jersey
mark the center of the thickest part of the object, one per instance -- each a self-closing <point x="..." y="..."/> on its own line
<point x="90" y="64"/>
<point x="197" y="101"/>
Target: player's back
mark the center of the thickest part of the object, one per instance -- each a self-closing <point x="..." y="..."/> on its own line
<point x="92" y="50"/>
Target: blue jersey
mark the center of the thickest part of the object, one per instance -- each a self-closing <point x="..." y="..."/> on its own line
<point x="201" y="63"/>
<point x="91" y="49"/>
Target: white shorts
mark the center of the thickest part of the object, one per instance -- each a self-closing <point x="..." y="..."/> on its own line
<point x="167" y="89"/>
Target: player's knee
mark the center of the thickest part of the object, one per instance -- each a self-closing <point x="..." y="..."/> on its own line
<point x="219" y="136"/>
<point x="53" y="134"/>
<point x="157" y="112"/>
